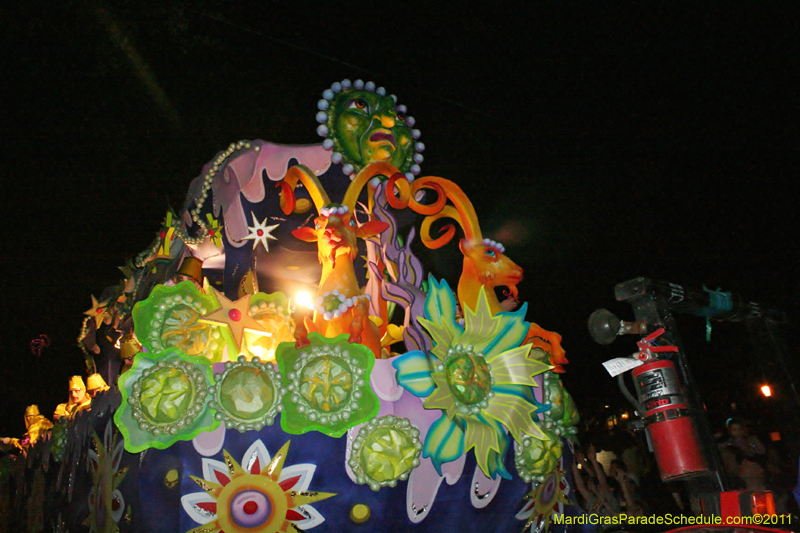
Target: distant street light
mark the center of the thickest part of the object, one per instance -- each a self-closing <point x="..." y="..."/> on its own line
<point x="766" y="391"/>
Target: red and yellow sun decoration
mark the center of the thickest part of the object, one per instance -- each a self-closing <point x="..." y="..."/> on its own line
<point x="545" y="501"/>
<point x="261" y="496"/>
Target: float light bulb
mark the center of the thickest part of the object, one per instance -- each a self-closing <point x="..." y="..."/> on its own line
<point x="766" y="391"/>
<point x="304" y="298"/>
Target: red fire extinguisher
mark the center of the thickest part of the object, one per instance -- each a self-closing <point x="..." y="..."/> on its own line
<point x="666" y="414"/>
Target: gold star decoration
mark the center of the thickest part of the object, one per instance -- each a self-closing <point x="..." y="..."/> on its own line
<point x="98" y="312"/>
<point x="235" y="315"/>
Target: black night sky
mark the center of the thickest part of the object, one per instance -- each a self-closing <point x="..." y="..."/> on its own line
<point x="598" y="143"/>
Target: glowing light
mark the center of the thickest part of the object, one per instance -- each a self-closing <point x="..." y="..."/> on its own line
<point x="625" y="415"/>
<point x="766" y="390"/>
<point x="304" y="298"/>
<point x="255" y="350"/>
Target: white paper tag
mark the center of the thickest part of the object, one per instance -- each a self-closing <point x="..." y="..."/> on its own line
<point x="618" y="365"/>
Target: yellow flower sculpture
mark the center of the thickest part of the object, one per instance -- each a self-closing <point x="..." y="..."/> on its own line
<point x="479" y="375"/>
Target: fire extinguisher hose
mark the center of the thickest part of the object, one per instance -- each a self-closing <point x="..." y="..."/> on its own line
<point x="628" y="396"/>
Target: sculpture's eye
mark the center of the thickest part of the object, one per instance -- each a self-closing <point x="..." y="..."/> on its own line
<point x="491" y="253"/>
<point x="360" y="104"/>
<point x="401" y="117"/>
<point x="317" y="225"/>
<point x="353" y="222"/>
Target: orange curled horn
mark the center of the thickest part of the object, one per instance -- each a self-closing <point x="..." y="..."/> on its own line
<point x="448" y="231"/>
<point x="400" y="194"/>
<point x="379" y="168"/>
<point x="398" y="181"/>
<point x="462" y="211"/>
<point x="312" y="184"/>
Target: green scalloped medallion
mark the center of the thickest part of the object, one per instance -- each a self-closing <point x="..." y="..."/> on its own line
<point x="170" y="318"/>
<point x="165" y="399"/>
<point x="385" y="451"/>
<point x="327" y="386"/>
<point x="535" y="458"/>
<point x="247" y="395"/>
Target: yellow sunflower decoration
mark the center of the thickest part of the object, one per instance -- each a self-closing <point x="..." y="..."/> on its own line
<point x="479" y="374"/>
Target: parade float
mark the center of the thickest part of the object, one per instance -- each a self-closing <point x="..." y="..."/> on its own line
<point x="386" y="399"/>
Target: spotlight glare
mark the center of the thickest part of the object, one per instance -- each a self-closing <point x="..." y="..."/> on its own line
<point x="304" y="298"/>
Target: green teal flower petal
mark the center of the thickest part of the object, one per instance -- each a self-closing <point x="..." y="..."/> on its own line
<point x="444" y="442"/>
<point x="517" y="416"/>
<point x="512" y="367"/>
<point x="494" y="461"/>
<point x="440" y="304"/>
<point x="441" y="397"/>
<point x="492" y="334"/>
<point x="484" y="435"/>
<point x="414" y="373"/>
<point x="483" y="381"/>
<point x="526" y="393"/>
<point x="442" y="337"/>
<point x="511" y="331"/>
<point x="480" y="327"/>
<point x="440" y="313"/>
<point x="165" y="399"/>
<point x="519" y="314"/>
<point x="327" y="385"/>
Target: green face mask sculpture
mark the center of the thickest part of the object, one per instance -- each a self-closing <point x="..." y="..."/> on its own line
<point x="362" y="124"/>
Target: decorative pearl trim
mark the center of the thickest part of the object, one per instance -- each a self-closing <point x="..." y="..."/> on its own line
<point x="143" y="258"/>
<point x="334" y="209"/>
<point x="494" y="244"/>
<point x="345" y="304"/>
